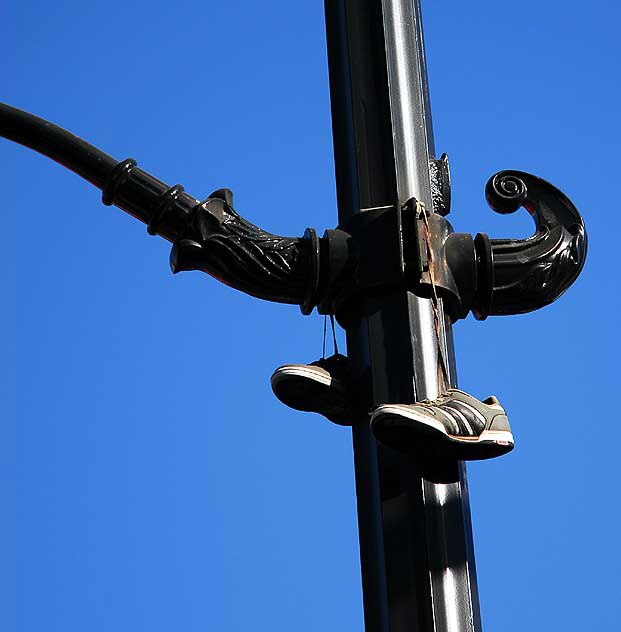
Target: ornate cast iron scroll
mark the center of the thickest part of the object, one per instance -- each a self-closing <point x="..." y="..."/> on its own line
<point x="486" y="276"/>
<point x="507" y="276"/>
<point x="220" y="242"/>
<point x="530" y="273"/>
<point x="208" y="236"/>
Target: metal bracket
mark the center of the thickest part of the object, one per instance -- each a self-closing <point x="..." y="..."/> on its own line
<point x="383" y="248"/>
<point x="218" y="241"/>
<point x="508" y="276"/>
<point x="527" y="274"/>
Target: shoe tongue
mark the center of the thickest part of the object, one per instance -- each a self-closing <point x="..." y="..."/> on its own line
<point x="491" y="401"/>
<point x="321" y="362"/>
<point x="332" y="360"/>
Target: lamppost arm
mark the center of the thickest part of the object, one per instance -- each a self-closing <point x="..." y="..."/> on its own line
<point x="505" y="276"/>
<point x="209" y="236"/>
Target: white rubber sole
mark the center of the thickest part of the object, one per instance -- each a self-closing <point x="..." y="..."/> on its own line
<point x="317" y="374"/>
<point x="312" y="389"/>
<point x="488" y="444"/>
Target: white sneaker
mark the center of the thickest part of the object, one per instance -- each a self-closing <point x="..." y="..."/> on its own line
<point x="455" y="424"/>
<point x="321" y="387"/>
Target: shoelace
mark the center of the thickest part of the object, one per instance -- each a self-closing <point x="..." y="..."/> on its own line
<point x="325" y="326"/>
<point x="443" y="372"/>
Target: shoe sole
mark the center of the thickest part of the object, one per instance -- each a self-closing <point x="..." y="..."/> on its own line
<point x="317" y="386"/>
<point x="397" y="431"/>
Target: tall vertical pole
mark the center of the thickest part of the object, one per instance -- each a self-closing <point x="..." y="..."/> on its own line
<point x="417" y="559"/>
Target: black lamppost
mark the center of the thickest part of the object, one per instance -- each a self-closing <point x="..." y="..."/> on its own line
<point x="393" y="273"/>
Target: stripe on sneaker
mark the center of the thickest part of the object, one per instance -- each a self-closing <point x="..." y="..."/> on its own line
<point x="466" y="427"/>
<point x="476" y="422"/>
<point x="450" y="416"/>
<point x="477" y="413"/>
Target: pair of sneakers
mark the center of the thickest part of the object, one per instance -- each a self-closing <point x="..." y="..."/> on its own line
<point x="455" y="424"/>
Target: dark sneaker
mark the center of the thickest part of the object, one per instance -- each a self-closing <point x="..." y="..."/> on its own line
<point x="321" y="387"/>
<point x="456" y="424"/>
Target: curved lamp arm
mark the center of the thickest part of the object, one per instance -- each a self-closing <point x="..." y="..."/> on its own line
<point x="510" y="276"/>
<point x="217" y="240"/>
<point x="209" y="236"/>
<point x="526" y="274"/>
<point x="489" y="276"/>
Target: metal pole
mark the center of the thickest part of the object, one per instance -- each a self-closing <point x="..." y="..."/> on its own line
<point x="417" y="558"/>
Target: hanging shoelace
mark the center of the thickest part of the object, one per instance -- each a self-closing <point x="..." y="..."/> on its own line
<point x="325" y="327"/>
<point x="443" y="371"/>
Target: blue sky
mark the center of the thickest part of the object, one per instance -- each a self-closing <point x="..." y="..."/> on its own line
<point x="149" y="480"/>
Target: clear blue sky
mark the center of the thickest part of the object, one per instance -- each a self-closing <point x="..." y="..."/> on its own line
<point x="149" y="480"/>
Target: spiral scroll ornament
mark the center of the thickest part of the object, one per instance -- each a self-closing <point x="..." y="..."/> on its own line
<point x="533" y="272"/>
<point x="505" y="192"/>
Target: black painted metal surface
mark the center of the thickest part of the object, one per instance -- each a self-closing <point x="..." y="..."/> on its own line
<point x="217" y="240"/>
<point x="505" y="276"/>
<point x="498" y="276"/>
<point x="530" y="273"/>
<point x="417" y="556"/>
